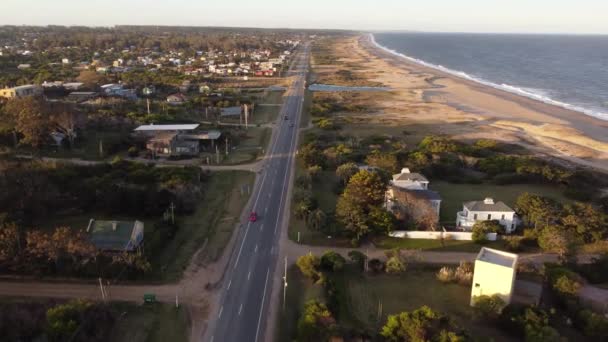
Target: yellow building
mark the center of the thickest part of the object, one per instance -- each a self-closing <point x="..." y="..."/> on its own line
<point x="21" y="91"/>
<point x="494" y="274"/>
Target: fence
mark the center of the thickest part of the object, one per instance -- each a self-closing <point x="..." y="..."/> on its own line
<point x="430" y="235"/>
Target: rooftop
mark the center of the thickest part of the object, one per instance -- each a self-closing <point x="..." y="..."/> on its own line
<point x="487" y="205"/>
<point x="411" y="176"/>
<point x="184" y="127"/>
<point x="114" y="235"/>
<point x="494" y="256"/>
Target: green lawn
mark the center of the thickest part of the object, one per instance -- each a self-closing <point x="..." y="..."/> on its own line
<point x="151" y="323"/>
<point x="214" y="220"/>
<point x="454" y="195"/>
<point x="366" y="297"/>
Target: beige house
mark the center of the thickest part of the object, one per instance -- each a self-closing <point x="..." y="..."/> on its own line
<point x="494" y="274"/>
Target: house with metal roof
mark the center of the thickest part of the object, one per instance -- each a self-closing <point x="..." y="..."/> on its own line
<point x="116" y="236"/>
<point x="486" y="210"/>
<point x="408" y="195"/>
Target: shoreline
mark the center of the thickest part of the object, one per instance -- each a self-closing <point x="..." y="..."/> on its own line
<point x="516" y="90"/>
<point x="591" y="126"/>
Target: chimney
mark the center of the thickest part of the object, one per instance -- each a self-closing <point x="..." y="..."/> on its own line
<point x="488" y="200"/>
<point x="405" y="170"/>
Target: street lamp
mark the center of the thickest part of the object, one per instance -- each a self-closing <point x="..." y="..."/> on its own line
<point x="285" y="284"/>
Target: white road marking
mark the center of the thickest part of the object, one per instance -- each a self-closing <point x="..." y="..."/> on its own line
<point x="266" y="210"/>
<point x="248" y="275"/>
<point x="240" y="309"/>
<point x="257" y="332"/>
<point x="221" y="310"/>
<point x="261" y="227"/>
<point x="241" y="249"/>
<point x="212" y="338"/>
<point x="256" y="248"/>
<point x="229" y="283"/>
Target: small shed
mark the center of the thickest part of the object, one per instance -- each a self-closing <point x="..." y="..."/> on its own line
<point x="494" y="274"/>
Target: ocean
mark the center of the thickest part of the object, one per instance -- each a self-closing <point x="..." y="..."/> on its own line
<point x="570" y="71"/>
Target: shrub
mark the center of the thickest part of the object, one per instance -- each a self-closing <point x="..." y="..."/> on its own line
<point x="481" y="228"/>
<point x="445" y="275"/>
<point x="513" y="243"/>
<point x="376" y="265"/>
<point x="133" y="151"/>
<point x="358" y="259"/>
<point x="309" y="266"/>
<point x="395" y="265"/>
<point x="488" y="307"/>
<point x="593" y="324"/>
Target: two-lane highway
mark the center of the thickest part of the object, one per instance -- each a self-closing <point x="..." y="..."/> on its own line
<point x="245" y="290"/>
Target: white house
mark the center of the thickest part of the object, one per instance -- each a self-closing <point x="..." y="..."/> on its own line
<point x="410" y="180"/>
<point x="487" y="209"/>
<point x="494" y="274"/>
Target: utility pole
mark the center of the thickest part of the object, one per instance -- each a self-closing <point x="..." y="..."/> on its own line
<point x="103" y="295"/>
<point x="226" y="145"/>
<point x="246" y="115"/>
<point x="217" y="154"/>
<point x="285" y="284"/>
<point x="148" y="104"/>
<point x="172" y="213"/>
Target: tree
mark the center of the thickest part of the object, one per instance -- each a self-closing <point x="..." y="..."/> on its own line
<point x="588" y="222"/>
<point x="381" y="221"/>
<point x="364" y="191"/>
<point x="481" y="228"/>
<point x="9" y="242"/>
<point x="358" y="259"/>
<point x="31" y="118"/>
<point x="557" y="240"/>
<point x="537" y="210"/>
<point x="385" y="161"/>
<point x="316" y="220"/>
<point x="316" y="323"/>
<point x="420" y="325"/>
<point x="437" y="144"/>
<point x="309" y="266"/>
<point x="332" y="261"/>
<point x="346" y="171"/>
<point x="376" y="265"/>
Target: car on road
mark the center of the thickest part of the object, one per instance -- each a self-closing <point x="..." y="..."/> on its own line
<point x="286" y="117"/>
<point x="253" y="216"/>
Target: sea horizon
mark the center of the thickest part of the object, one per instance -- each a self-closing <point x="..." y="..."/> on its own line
<point x="556" y="94"/>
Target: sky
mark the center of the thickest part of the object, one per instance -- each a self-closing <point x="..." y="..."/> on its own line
<point x="513" y="16"/>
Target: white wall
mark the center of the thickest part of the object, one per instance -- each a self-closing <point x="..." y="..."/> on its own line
<point x="466" y="236"/>
<point x="491" y="279"/>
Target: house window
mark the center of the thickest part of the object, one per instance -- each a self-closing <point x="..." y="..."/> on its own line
<point x="502" y="217"/>
<point x="475" y="217"/>
<point x="489" y="216"/>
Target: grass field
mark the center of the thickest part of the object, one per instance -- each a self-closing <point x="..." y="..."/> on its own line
<point x="151" y="323"/>
<point x="454" y="195"/>
<point x="268" y="109"/>
<point x="436" y="245"/>
<point x="214" y="220"/>
<point x="367" y="300"/>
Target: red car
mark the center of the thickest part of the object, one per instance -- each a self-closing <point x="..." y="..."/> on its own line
<point x="253" y="216"/>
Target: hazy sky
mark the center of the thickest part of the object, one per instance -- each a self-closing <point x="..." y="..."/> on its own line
<point x="557" y="16"/>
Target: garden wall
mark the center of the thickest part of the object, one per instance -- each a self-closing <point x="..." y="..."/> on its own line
<point x="405" y="234"/>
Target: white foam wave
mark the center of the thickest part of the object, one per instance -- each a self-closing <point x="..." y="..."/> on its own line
<point x="530" y="93"/>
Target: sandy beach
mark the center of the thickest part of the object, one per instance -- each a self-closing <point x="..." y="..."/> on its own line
<point x="468" y="110"/>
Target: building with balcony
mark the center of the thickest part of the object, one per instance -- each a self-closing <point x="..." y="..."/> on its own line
<point x="486" y="210"/>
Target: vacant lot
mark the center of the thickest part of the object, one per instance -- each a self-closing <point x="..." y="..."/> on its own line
<point x="367" y="300"/>
<point x="151" y="323"/>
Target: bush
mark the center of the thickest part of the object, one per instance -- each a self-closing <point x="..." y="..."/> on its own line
<point x="309" y="266"/>
<point x="463" y="274"/>
<point x="358" y="259"/>
<point x="513" y="243"/>
<point x="445" y="275"/>
<point x="376" y="265"/>
<point x="133" y="151"/>
<point x="593" y="325"/>
<point x="481" y="228"/>
<point x="395" y="265"/>
<point x="488" y="307"/>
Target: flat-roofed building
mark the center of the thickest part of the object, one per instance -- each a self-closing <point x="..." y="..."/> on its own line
<point x="494" y="274"/>
<point x="116" y="236"/>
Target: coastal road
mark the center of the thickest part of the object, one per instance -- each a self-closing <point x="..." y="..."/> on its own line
<point x="245" y="293"/>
